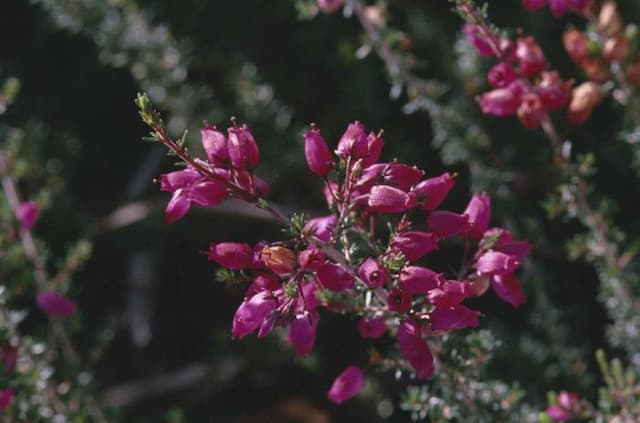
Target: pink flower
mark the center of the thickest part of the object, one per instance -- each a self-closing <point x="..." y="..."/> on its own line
<point x="252" y="313"/>
<point x="311" y="258"/>
<point x="242" y="147"/>
<point x="372" y="273"/>
<point x="553" y="91"/>
<point x="500" y="102"/>
<point x="399" y="300"/>
<point x="415" y="349"/>
<point x="347" y="385"/>
<point x="55" y="304"/>
<point x="374" y="144"/>
<point x="317" y="153"/>
<point x="387" y="199"/>
<point x="450" y="293"/>
<point x="508" y="288"/>
<point x="214" y="144"/>
<point x="530" y="56"/>
<point x="401" y="175"/>
<point x="453" y="318"/>
<point x="232" y="255"/>
<point x="496" y="263"/>
<point x="479" y="41"/>
<point x="322" y="227"/>
<point x="27" y="214"/>
<point x="372" y="327"/>
<point x="576" y="44"/>
<point x="434" y="190"/>
<point x="6" y="398"/>
<point x="479" y="212"/>
<point x="503" y="243"/>
<point x="189" y="186"/>
<point x="419" y="280"/>
<point x="501" y="75"/>
<point x="531" y="111"/>
<point x="558" y="414"/>
<point x="334" y="277"/>
<point x="307" y="299"/>
<point x="263" y="282"/>
<point x="329" y="6"/>
<point x="414" y="245"/>
<point x="302" y="331"/>
<point x="445" y="223"/>
<point x="354" y="142"/>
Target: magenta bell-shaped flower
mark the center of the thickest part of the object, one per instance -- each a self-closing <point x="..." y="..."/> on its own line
<point x="415" y="349"/>
<point x="445" y="223"/>
<point x="508" y="288"/>
<point x="252" y="314"/>
<point x="242" y="147"/>
<point x="387" y="199"/>
<point x="232" y="255"/>
<point x="322" y="227"/>
<point x="214" y="144"/>
<point x="372" y="273"/>
<point x="479" y="212"/>
<point x="434" y="190"/>
<point x="334" y="277"/>
<point x="55" y="304"/>
<point x="419" y="280"/>
<point x="189" y="186"/>
<point x="496" y="263"/>
<point x="302" y="331"/>
<point x="501" y="101"/>
<point x="453" y="318"/>
<point x="6" y="398"/>
<point x="530" y="56"/>
<point x="347" y="385"/>
<point x="27" y="214"/>
<point x="501" y="75"/>
<point x="353" y="143"/>
<point x="415" y="245"/>
<point x="317" y="153"/>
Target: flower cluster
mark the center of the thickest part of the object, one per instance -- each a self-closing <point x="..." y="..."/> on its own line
<point x="521" y="83"/>
<point x="339" y="262"/>
<point x="558" y="7"/>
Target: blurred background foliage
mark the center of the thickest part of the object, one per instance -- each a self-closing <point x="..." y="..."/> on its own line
<point x="148" y="293"/>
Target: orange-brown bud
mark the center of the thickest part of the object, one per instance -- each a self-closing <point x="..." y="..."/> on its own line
<point x="616" y="49"/>
<point x="584" y="98"/>
<point x="609" y="21"/>
<point x="576" y="44"/>
<point x="280" y="260"/>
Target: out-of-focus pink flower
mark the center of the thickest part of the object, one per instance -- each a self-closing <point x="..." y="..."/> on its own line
<point x="27" y="214"/>
<point x="419" y="280"/>
<point x="479" y="41"/>
<point x="576" y="44"/>
<point x="329" y="6"/>
<point x="252" y="313"/>
<point x="479" y="212"/>
<point x="496" y="263"/>
<point x="414" y="245"/>
<point x="372" y="327"/>
<point x="584" y="98"/>
<point x="302" y="332"/>
<point x="445" y="223"/>
<point x="353" y="142"/>
<point x="347" y="385"/>
<point x="453" y="318"/>
<point x="534" y="4"/>
<point x="501" y="75"/>
<point x="501" y="101"/>
<point x="387" y="199"/>
<point x="317" y="153"/>
<point x="6" y="398"/>
<point x="322" y="227"/>
<point x="530" y="56"/>
<point x="55" y="304"/>
<point x="531" y="111"/>
<point x="214" y="144"/>
<point x="415" y="349"/>
<point x="334" y="277"/>
<point x="242" y="147"/>
<point x="372" y="273"/>
<point x="553" y="91"/>
<point x="232" y="255"/>
<point x="434" y="190"/>
<point x="508" y="288"/>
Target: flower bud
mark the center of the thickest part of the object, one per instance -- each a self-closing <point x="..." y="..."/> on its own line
<point x="252" y="313"/>
<point x="27" y="214"/>
<point x="374" y="145"/>
<point x="302" y="332"/>
<point x="445" y="223"/>
<point x="232" y="255"/>
<point x="508" y="288"/>
<point x="322" y="227"/>
<point x="414" y="245"/>
<point x="453" y="318"/>
<point x="347" y="385"/>
<point x="387" y="199"/>
<point x="419" y="280"/>
<point x="242" y="147"/>
<point x="372" y="327"/>
<point x="530" y="56"/>
<point x="479" y="41"/>
<point x="584" y="98"/>
<point x="531" y="111"/>
<point x="353" y="142"/>
<point x="279" y="260"/>
<point x="329" y="6"/>
<point x="55" y="304"/>
<point x="334" y="277"/>
<point x="616" y="49"/>
<point x="501" y="75"/>
<point x="317" y="153"/>
<point x="496" y="263"/>
<point x="576" y="44"/>
<point x="479" y="212"/>
<point x="372" y="273"/>
<point x="214" y="144"/>
<point x="401" y="176"/>
<point x="434" y="190"/>
<point x="415" y="349"/>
